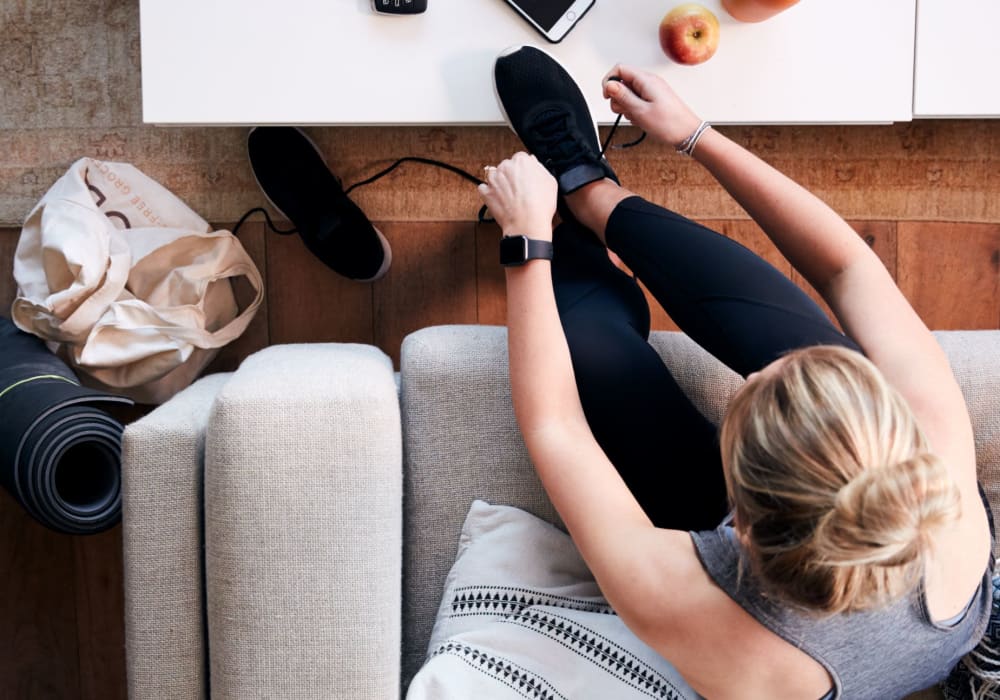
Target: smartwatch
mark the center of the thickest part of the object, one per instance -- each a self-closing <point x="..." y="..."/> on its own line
<point x="517" y="250"/>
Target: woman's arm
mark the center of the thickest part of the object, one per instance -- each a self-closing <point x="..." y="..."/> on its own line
<point x="812" y="236"/>
<point x="852" y="280"/>
<point x="830" y="255"/>
<point x="876" y="314"/>
<point x="621" y="546"/>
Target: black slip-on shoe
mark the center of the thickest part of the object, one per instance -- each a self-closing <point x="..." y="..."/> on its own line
<point x="547" y="110"/>
<point x="297" y="182"/>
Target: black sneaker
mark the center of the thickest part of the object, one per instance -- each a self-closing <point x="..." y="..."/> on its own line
<point x="297" y="182"/>
<point x="547" y="110"/>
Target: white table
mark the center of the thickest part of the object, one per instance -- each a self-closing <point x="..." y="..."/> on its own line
<point x="335" y="62"/>
<point x="958" y="59"/>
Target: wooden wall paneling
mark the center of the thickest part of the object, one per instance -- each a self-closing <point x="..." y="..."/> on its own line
<point x="100" y="613"/>
<point x="491" y="283"/>
<point x="308" y="302"/>
<point x="39" y="651"/>
<point x="880" y="236"/>
<point x="951" y="273"/>
<point x="253" y="236"/>
<point x="432" y="280"/>
<point x="8" y="289"/>
<point x="921" y="170"/>
<point x="414" y="192"/>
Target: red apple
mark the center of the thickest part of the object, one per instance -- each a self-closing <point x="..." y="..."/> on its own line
<point x="689" y="34"/>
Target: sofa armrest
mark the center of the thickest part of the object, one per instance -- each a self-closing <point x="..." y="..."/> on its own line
<point x="303" y="521"/>
<point x="162" y="537"/>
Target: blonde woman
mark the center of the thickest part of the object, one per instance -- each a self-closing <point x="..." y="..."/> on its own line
<point x="857" y="561"/>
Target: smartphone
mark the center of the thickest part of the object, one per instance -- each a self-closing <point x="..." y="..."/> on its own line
<point x="552" y="18"/>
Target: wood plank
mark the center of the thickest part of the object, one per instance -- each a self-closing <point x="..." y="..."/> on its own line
<point x="310" y="303"/>
<point x="881" y="237"/>
<point x="39" y="651"/>
<point x="951" y="273"/>
<point x="8" y="288"/>
<point x="491" y="285"/>
<point x="432" y="280"/>
<point x="253" y="236"/>
<point x="100" y="614"/>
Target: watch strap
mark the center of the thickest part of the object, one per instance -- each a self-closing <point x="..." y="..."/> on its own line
<point x="539" y="250"/>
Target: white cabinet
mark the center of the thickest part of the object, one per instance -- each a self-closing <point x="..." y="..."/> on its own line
<point x="335" y="62"/>
<point x="957" y="59"/>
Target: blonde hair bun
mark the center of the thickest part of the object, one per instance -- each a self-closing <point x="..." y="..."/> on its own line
<point x="833" y="482"/>
<point x="885" y="516"/>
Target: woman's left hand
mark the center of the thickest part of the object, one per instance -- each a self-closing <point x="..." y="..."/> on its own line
<point x="521" y="196"/>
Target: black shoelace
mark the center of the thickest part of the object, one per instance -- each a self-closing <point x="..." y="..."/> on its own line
<point x="482" y="217"/>
<point x="611" y="135"/>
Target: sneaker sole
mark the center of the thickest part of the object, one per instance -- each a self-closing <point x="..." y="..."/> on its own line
<point x="514" y="49"/>
<point x="386" y="250"/>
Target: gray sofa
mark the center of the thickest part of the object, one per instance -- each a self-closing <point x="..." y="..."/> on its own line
<point x="288" y="527"/>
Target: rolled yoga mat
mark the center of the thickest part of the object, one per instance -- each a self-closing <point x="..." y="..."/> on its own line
<point x="60" y="455"/>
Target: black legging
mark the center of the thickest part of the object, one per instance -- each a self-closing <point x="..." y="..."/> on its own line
<point x="730" y="301"/>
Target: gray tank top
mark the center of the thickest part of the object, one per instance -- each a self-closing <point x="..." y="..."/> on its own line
<point x="875" y="655"/>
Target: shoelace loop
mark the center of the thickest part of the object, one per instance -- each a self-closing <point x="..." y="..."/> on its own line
<point x="611" y="135"/>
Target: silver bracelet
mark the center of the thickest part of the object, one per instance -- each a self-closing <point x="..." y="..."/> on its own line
<point x="686" y="147"/>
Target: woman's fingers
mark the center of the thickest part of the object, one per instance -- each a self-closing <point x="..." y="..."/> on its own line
<point x="521" y="194"/>
<point x="623" y="95"/>
<point x="504" y="178"/>
<point x="613" y="73"/>
<point x="630" y="77"/>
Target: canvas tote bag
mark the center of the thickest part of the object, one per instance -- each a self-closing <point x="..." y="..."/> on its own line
<point x="127" y="283"/>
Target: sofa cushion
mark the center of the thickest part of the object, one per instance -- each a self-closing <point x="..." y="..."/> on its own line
<point x="975" y="361"/>
<point x="303" y="483"/>
<point x="460" y="443"/>
<point x="521" y="612"/>
<point x="162" y="537"/>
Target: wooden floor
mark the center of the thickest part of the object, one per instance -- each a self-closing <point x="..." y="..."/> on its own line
<point x="61" y="607"/>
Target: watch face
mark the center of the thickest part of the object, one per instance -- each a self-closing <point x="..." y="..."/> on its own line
<point x="514" y="250"/>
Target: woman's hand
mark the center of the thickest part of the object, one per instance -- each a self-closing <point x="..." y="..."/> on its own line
<point x="521" y="196"/>
<point x="650" y="103"/>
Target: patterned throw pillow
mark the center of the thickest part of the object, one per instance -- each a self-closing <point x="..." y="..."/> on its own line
<point x="977" y="676"/>
<point x="522" y="617"/>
